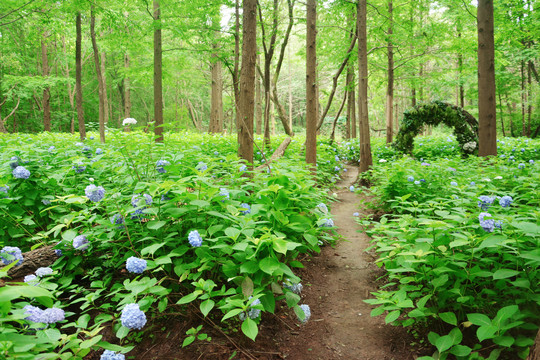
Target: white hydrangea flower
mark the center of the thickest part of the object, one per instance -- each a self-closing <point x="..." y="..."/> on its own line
<point x="129" y="121"/>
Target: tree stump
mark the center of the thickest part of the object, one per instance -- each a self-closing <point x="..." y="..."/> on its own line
<point x="32" y="260"/>
<point x="534" y="353"/>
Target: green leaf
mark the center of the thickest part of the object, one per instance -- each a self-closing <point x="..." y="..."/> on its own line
<point x="505" y="341"/>
<point x="122" y="332"/>
<point x="50" y="335"/>
<point x="460" y="350"/>
<point x="492" y="241"/>
<point x="151" y="249"/>
<point x="291" y="298"/>
<point x="249" y="267"/>
<point x="269" y="265"/>
<point x="448" y="317"/>
<point x="206" y="306"/>
<point x="231" y="313"/>
<point x="443" y="343"/>
<point x="392" y="316"/>
<point x="68" y="235"/>
<point x="479" y="319"/>
<point x="87" y="344"/>
<point x="233" y="233"/>
<point x="155" y="225"/>
<point x="504" y="274"/>
<point x="440" y="281"/>
<point x="486" y="332"/>
<point x="200" y="203"/>
<point x="188" y="340"/>
<point x="189" y="297"/>
<point x="250" y="329"/>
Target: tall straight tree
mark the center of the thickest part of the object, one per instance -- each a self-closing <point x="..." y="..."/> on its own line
<point x="158" y="79"/>
<point x="312" y="103"/>
<point x="487" y="126"/>
<point x="247" y="81"/>
<point x="363" y="116"/>
<point x="216" y="101"/>
<point x="46" y="90"/>
<point x="78" y="78"/>
<point x="101" y="86"/>
<point x="390" y="84"/>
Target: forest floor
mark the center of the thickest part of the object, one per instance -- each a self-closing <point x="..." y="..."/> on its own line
<point x="336" y="282"/>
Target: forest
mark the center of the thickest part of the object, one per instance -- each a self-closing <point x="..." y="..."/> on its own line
<point x="269" y="179"/>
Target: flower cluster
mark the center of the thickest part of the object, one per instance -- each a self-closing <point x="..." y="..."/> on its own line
<point x="521" y="166"/>
<point x="485" y="202"/>
<point x="195" y="238"/>
<point x="31" y="279"/>
<point x="111" y="355"/>
<point x="505" y="201"/>
<point x="80" y="242"/>
<point x="47" y="316"/>
<point x="294" y="287"/>
<point x="20" y="172"/>
<point x="307" y="313"/>
<point x="44" y="271"/>
<point x="129" y="121"/>
<point x="246" y="208"/>
<point x="252" y="313"/>
<point x="225" y="193"/>
<point x="242" y="168"/>
<point x="117" y="219"/>
<point x="327" y="223"/>
<point x="132" y="317"/>
<point x="160" y="166"/>
<point x="79" y="167"/>
<point x="135" y="265"/>
<point x="201" y="166"/>
<point x="9" y="254"/>
<point x="138" y="201"/>
<point x="469" y="146"/>
<point x="94" y="193"/>
<point x="99" y="151"/>
<point x="351" y="188"/>
<point x="487" y="223"/>
<point x="323" y="208"/>
<point x="453" y="183"/>
<point x="410" y="178"/>
<point x="4" y="189"/>
<point x="15" y="162"/>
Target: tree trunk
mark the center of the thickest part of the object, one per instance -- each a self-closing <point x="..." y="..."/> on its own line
<point x="333" y="134"/>
<point x="127" y="89"/>
<point x="78" y="77"/>
<point x="534" y="353"/>
<point x="312" y="105"/>
<point x="216" y="107"/>
<point x="247" y="81"/>
<point x="502" y="112"/>
<point x="390" y="85"/>
<point x="104" y="85"/>
<point x="529" y="97"/>
<point x="290" y="88"/>
<point x="158" y="80"/>
<point x="46" y="104"/>
<point x="523" y="98"/>
<point x="236" y="71"/>
<point x="258" y="102"/>
<point x="366" y="160"/>
<point x="487" y="131"/>
<point x="99" y="75"/>
<point x="351" y="98"/>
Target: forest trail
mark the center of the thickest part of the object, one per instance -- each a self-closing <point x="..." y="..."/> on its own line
<point x="335" y="285"/>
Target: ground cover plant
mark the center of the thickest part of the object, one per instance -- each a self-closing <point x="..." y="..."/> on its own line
<point x="145" y="232"/>
<point x="460" y="244"/>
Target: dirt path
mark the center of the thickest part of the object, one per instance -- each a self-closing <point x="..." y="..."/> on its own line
<point x="339" y="280"/>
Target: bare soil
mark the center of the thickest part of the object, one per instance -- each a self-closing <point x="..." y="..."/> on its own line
<point x="335" y="284"/>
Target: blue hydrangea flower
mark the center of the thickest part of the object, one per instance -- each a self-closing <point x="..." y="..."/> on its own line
<point x="252" y="313"/>
<point x="46" y="202"/>
<point x="498" y="224"/>
<point x="31" y="279"/>
<point x="337" y="168"/>
<point x="201" y="166"/>
<point x="425" y="164"/>
<point x="337" y="158"/>
<point x="79" y="167"/>
<point x="327" y="223"/>
<point x="216" y="153"/>
<point x="51" y="149"/>
<point x="111" y="355"/>
<point x="91" y="138"/>
<point x="138" y="201"/>
<point x="225" y="193"/>
<point x="44" y="271"/>
<point x="323" y="208"/>
<point x="485" y="202"/>
<point x="505" y="201"/>
<point x="9" y="254"/>
<point x="195" y="238"/>
<point x="246" y="207"/>
<point x="472" y="183"/>
<point x="34" y="313"/>
<point x="132" y="317"/>
<point x="453" y="183"/>
<point x="58" y="252"/>
<point x="351" y="188"/>
<point x="531" y="161"/>
<point x="520" y="166"/>
<point x="160" y="164"/>
<point x="15" y="162"/>
<point x="4" y="189"/>
<point x="47" y="316"/>
<point x="451" y="169"/>
<point x="137" y="214"/>
<point x="117" y="219"/>
<point x="356" y="214"/>
<point x="410" y="178"/>
<point x="294" y="287"/>
<point x="20" y="172"/>
<point x="416" y="182"/>
<point x="94" y="193"/>
<point x="80" y="242"/>
<point x="99" y="151"/>
<point x="522" y="150"/>
<point x="487" y="224"/>
<point x="135" y="265"/>
<point x="242" y="168"/>
<point x="307" y="312"/>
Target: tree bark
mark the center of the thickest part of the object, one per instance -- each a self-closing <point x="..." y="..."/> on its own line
<point x="216" y="107"/>
<point x="366" y="160"/>
<point x="336" y="118"/>
<point x="104" y="85"/>
<point x="502" y="112"/>
<point x="78" y="77"/>
<point x="236" y="72"/>
<point x="534" y="353"/>
<point x="529" y="97"/>
<point x="158" y="80"/>
<point x="351" y="98"/>
<point x="33" y="260"/>
<point x="127" y="89"/>
<point x="46" y="104"/>
<point x="99" y="75"/>
<point x="312" y="105"/>
<point x="523" y="98"/>
<point x="390" y="85"/>
<point x="487" y="132"/>
<point x="258" y="104"/>
<point x="247" y="81"/>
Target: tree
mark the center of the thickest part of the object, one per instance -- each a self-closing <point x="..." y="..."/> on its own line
<point x="487" y="132"/>
<point x="363" y="116"/>
<point x="46" y="90"/>
<point x="390" y="85"/>
<point x="247" y="81"/>
<point x="312" y="103"/>
<point x="102" y="91"/>
<point x="78" y="78"/>
<point x="216" y="110"/>
<point x="158" y="77"/>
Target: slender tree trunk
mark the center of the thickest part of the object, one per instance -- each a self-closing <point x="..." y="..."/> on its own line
<point x="523" y="98"/>
<point x="290" y="88"/>
<point x="236" y="71"/>
<point x="487" y="131"/>
<point x="105" y="93"/>
<point x="247" y="81"/>
<point x="158" y="80"/>
<point x="502" y="112"/>
<point x="461" y="89"/>
<point x="312" y="105"/>
<point x="46" y="104"/>
<point x="529" y="97"/>
<point x="366" y="160"/>
<point x="99" y="76"/>
<point x="216" y="107"/>
<point x="258" y="101"/>
<point x="336" y="118"/>
<point x="78" y="77"/>
<point x="71" y="93"/>
<point x="127" y="88"/>
<point x="351" y="98"/>
<point x="273" y="117"/>
<point x="390" y="87"/>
